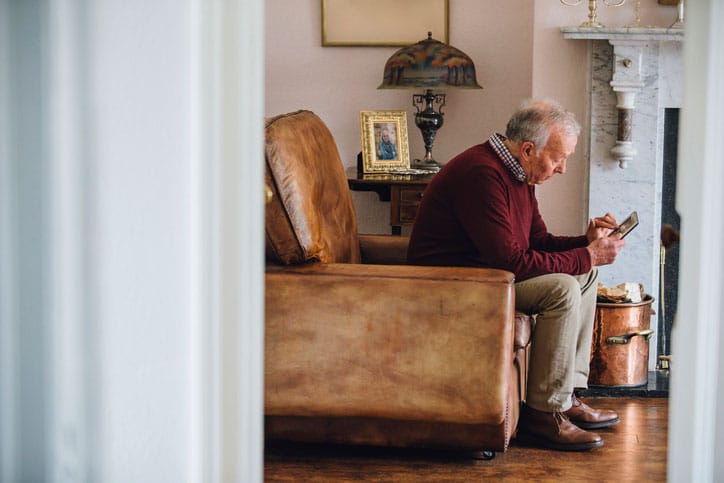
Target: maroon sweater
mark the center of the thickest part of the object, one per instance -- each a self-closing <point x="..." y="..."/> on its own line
<point x="475" y="213"/>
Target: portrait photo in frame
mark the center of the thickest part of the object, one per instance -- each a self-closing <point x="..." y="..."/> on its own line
<point x="385" y="147"/>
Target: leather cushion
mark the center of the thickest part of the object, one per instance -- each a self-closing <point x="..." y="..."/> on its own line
<point x="383" y="249"/>
<point x="523" y="328"/>
<point x="311" y="216"/>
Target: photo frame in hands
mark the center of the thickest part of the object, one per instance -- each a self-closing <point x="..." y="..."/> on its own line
<point x="385" y="147"/>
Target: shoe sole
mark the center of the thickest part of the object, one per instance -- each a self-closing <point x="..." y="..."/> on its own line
<point x="599" y="425"/>
<point x="535" y="440"/>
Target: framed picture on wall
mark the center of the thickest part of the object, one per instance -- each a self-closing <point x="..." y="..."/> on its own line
<point x="383" y="22"/>
<point x="385" y="147"/>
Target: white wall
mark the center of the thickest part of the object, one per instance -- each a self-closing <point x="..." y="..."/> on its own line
<point x="144" y="239"/>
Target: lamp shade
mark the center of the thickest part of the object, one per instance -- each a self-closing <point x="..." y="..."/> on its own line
<point x="429" y="64"/>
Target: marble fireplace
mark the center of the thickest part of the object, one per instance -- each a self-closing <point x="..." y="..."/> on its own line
<point x="635" y="79"/>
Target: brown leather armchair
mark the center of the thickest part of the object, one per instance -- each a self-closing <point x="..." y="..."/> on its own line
<point x="362" y="349"/>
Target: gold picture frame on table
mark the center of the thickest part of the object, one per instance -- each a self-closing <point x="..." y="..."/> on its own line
<point x="383" y="22"/>
<point x="385" y="147"/>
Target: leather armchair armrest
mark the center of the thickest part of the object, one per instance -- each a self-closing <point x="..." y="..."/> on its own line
<point x="384" y="249"/>
<point x="399" y="342"/>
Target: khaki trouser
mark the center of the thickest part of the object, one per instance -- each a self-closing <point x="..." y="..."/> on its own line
<point x="561" y="342"/>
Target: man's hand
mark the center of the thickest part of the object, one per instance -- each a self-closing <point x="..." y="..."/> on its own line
<point x="604" y="250"/>
<point x="600" y="227"/>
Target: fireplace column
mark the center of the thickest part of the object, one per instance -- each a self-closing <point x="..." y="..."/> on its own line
<point x="626" y="83"/>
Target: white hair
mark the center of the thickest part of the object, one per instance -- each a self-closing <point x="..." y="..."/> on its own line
<point x="535" y="120"/>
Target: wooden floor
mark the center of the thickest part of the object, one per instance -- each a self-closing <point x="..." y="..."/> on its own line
<point x="634" y="450"/>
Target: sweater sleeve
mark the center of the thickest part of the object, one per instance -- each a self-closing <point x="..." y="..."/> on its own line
<point x="491" y="217"/>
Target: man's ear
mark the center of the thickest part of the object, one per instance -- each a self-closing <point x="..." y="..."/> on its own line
<point x="527" y="149"/>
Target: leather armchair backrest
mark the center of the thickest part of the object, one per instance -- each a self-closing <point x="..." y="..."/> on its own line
<point x="311" y="216"/>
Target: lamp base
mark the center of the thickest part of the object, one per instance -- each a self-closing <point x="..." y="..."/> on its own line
<point x="426" y="164"/>
<point x="429" y="121"/>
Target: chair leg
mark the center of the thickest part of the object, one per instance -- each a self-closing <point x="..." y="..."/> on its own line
<point x="484" y="455"/>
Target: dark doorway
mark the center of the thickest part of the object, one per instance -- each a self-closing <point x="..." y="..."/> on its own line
<point x="669" y="273"/>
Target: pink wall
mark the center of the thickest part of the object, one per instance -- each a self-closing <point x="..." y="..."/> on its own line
<point x="518" y="52"/>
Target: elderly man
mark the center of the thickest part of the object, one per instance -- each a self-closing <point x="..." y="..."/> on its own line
<point x="480" y="210"/>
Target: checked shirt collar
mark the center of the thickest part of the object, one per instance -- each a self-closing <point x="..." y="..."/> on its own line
<point x="496" y="141"/>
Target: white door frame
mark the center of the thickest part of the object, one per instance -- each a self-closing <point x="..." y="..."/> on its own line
<point x="234" y="352"/>
<point x="696" y="426"/>
<point x="226" y="279"/>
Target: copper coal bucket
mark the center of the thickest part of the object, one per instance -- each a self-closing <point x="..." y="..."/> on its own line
<point x="620" y="346"/>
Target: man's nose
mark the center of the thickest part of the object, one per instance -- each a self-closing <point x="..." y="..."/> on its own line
<point x="561" y="168"/>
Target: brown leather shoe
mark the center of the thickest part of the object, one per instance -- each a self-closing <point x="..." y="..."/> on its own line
<point x="584" y="416"/>
<point x="555" y="431"/>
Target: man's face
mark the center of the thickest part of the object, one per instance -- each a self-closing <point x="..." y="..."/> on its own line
<point x="544" y="163"/>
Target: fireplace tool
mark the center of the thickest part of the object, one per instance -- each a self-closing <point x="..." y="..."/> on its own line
<point x="669" y="236"/>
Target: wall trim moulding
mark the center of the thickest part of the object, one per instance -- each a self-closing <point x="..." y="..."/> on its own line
<point x="640" y="34"/>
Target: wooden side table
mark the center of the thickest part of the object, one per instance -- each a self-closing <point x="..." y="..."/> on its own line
<point x="403" y="191"/>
